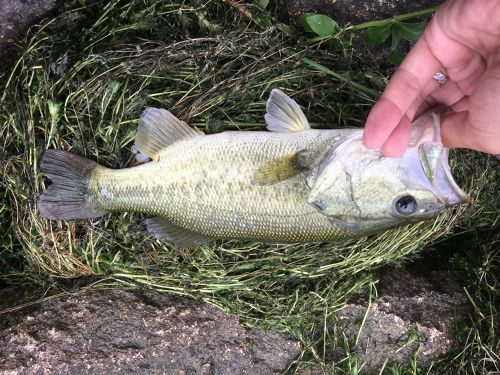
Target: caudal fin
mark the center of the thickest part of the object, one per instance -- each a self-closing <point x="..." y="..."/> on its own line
<point x="68" y="197"/>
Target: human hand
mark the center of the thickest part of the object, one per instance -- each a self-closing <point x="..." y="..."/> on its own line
<point x="463" y="42"/>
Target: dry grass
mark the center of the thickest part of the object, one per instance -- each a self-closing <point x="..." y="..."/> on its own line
<point x="81" y="84"/>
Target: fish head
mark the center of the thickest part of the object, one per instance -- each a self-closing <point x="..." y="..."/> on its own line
<point x="364" y="191"/>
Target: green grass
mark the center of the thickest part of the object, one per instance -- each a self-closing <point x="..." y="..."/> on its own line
<point x="81" y="83"/>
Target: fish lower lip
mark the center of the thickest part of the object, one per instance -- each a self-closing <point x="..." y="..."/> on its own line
<point x="460" y="195"/>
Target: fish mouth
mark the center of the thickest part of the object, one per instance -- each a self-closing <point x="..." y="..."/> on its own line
<point x="457" y="194"/>
<point x="434" y="162"/>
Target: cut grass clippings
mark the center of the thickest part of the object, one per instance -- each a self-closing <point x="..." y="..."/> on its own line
<point x="81" y="83"/>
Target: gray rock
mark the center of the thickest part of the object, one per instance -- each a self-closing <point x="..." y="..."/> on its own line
<point x="352" y="11"/>
<point x="15" y="295"/>
<point x="16" y="16"/>
<point x="137" y="332"/>
<point x="411" y="317"/>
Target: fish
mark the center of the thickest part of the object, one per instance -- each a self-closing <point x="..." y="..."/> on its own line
<point x="289" y="184"/>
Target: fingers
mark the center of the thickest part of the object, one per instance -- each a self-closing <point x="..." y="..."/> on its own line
<point x="411" y="81"/>
<point x="462" y="105"/>
<point x="413" y="90"/>
<point x="382" y="120"/>
<point x="457" y="131"/>
<point x="454" y="129"/>
<point x="448" y="94"/>
<point x="477" y="125"/>
<point x="398" y="141"/>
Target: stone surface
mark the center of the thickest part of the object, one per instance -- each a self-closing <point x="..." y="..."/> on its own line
<point x="16" y="16"/>
<point x="352" y="11"/>
<point x="136" y="332"/>
<point x="15" y="295"/>
<point x="413" y="316"/>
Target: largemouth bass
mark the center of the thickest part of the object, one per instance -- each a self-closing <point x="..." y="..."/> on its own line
<point x="289" y="184"/>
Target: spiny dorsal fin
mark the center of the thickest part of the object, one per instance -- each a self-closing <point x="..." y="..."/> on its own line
<point x="158" y="129"/>
<point x="283" y="168"/>
<point x="164" y="230"/>
<point x="284" y="114"/>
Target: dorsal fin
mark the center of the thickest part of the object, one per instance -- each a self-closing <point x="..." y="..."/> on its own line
<point x="158" y="129"/>
<point x="164" y="230"/>
<point x="284" y="114"/>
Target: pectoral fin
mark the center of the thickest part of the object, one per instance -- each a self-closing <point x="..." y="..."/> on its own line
<point x="284" y="114"/>
<point x="348" y="227"/>
<point x="283" y="168"/>
<point x="164" y="230"/>
<point x="158" y="129"/>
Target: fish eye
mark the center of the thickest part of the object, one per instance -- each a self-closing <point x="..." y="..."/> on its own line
<point x="406" y="205"/>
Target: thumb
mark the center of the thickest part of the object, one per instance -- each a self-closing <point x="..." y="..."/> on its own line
<point x="478" y="127"/>
<point x="457" y="131"/>
<point x="454" y="130"/>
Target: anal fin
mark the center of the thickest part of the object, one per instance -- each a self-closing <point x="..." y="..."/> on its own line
<point x="164" y="230"/>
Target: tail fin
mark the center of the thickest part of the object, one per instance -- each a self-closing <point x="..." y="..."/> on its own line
<point x="68" y="197"/>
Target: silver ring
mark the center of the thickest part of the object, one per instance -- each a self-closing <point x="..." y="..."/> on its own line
<point x="440" y="78"/>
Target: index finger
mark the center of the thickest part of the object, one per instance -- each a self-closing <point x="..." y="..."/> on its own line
<point x="409" y="82"/>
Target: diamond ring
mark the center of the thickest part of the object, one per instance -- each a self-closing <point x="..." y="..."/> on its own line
<point x="440" y="77"/>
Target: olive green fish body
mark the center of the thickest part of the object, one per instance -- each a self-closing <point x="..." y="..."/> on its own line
<point x="290" y="184"/>
<point x="211" y="186"/>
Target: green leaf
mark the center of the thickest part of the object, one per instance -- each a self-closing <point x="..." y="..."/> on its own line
<point x="185" y="22"/>
<point x="287" y="29"/>
<point x="319" y="24"/>
<point x="341" y="42"/>
<point x="409" y="31"/>
<point x="54" y="110"/>
<point x="396" y="38"/>
<point x="262" y="19"/>
<point x="396" y="57"/>
<point x="263" y="3"/>
<point x="377" y="34"/>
